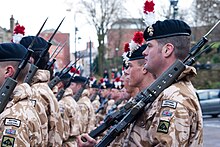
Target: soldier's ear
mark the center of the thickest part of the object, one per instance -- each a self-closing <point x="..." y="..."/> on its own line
<point x="144" y="71"/>
<point x="167" y="50"/>
<point x="9" y="71"/>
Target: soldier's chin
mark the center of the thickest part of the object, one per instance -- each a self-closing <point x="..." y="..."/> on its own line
<point x="145" y="65"/>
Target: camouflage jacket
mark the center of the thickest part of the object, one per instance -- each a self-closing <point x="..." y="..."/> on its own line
<point x="173" y="119"/>
<point x="19" y="122"/>
<point x="70" y="113"/>
<point x="44" y="95"/>
<point x="87" y="113"/>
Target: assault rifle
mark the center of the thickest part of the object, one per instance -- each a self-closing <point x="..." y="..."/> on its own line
<point x="51" y="63"/>
<point x="150" y="93"/>
<point x="80" y="91"/>
<point x="10" y="83"/>
<point x="146" y="97"/>
<point x="34" y="67"/>
<point x="103" y="103"/>
<point x="62" y="91"/>
<point x="114" y="107"/>
<point x="58" y="77"/>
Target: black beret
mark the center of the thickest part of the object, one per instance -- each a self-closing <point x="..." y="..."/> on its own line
<point x="137" y="54"/>
<point x="12" y="52"/>
<point x="79" y="79"/>
<point x="40" y="44"/>
<point x="167" y="28"/>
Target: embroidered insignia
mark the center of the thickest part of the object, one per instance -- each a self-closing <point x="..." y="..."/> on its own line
<point x="163" y="126"/>
<point x="8" y="141"/>
<point x="169" y="103"/>
<point x="10" y="131"/>
<point x="167" y="113"/>
<point x="12" y="122"/>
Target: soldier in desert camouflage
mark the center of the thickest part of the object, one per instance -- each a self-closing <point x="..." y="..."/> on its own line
<point x="43" y="94"/>
<point x="70" y="113"/>
<point x="19" y="122"/>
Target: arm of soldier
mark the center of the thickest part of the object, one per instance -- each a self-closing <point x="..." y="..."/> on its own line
<point x="171" y="125"/>
<point x="54" y="116"/>
<point x="89" y="143"/>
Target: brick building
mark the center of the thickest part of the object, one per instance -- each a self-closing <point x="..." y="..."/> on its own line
<point x="122" y="31"/>
<point x="63" y="57"/>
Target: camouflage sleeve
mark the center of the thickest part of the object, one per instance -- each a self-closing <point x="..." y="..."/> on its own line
<point x="54" y="116"/>
<point x="84" y="116"/>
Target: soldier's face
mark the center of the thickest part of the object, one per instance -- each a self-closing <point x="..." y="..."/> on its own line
<point x="135" y="71"/>
<point x="153" y="56"/>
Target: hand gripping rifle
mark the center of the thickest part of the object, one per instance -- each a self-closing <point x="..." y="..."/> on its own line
<point x="34" y="67"/>
<point x="115" y="117"/>
<point x="147" y="96"/>
<point x="58" y="77"/>
<point x="62" y="91"/>
<point x="51" y="63"/>
<point x="10" y="83"/>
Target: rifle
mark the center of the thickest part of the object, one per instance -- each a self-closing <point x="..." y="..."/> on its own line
<point x="61" y="92"/>
<point x="51" y="63"/>
<point x="114" y="107"/>
<point x="116" y="117"/>
<point x="10" y="83"/>
<point x="147" y="96"/>
<point x="92" y="98"/>
<point x="102" y="105"/>
<point x="34" y="67"/>
<point x="57" y="79"/>
<point x="80" y="91"/>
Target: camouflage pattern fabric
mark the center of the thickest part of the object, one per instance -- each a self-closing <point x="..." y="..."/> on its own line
<point x="19" y="122"/>
<point x="50" y="103"/>
<point x="70" y="113"/>
<point x="87" y="113"/>
<point x="174" y="119"/>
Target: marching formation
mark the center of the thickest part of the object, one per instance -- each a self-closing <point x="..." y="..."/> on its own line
<point x="153" y="103"/>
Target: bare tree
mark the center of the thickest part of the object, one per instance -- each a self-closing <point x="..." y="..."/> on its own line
<point x="207" y="12"/>
<point x="101" y="14"/>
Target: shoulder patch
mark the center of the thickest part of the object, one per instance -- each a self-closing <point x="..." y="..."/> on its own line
<point x="7" y="141"/>
<point x="166" y="113"/>
<point x="12" y="122"/>
<point x="169" y="103"/>
<point x="10" y="131"/>
<point x="163" y="126"/>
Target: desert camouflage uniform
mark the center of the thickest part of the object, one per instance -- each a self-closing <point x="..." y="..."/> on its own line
<point x="70" y="113"/>
<point x="49" y="101"/>
<point x="19" y="122"/>
<point x="174" y="119"/>
<point x="87" y="112"/>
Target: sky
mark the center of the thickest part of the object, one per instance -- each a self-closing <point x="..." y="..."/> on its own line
<point x="32" y="13"/>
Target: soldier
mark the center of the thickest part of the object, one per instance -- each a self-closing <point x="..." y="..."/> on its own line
<point x="174" y="118"/>
<point x="87" y="110"/>
<point x="70" y="113"/>
<point x="19" y="122"/>
<point x="43" y="93"/>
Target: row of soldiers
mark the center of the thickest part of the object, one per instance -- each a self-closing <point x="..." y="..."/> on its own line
<point x="162" y="107"/>
<point x="37" y="114"/>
